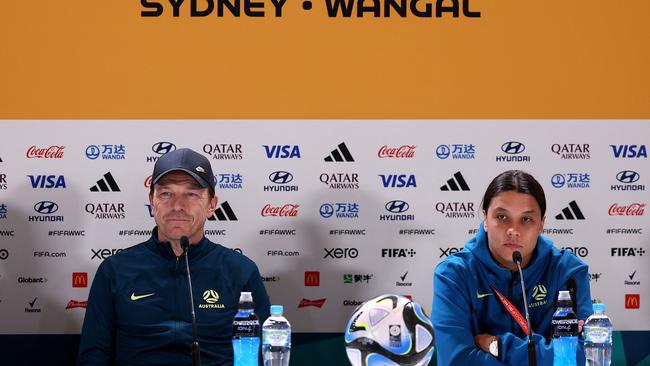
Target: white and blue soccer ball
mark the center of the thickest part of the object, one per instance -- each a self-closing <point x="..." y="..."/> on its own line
<point x="389" y="330"/>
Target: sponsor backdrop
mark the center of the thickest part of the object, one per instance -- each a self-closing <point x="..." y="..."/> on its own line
<point x="333" y="212"/>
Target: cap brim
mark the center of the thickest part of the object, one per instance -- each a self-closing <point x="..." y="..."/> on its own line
<point x="196" y="177"/>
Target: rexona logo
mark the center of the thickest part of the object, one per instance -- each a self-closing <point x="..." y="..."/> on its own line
<point x="46" y="209"/>
<point x="211" y="298"/>
<point x="397" y="209"/>
<point x="312" y="278"/>
<point x="627" y="177"/>
<point x="103" y="253"/>
<point x="160" y="148"/>
<point x="224" y="151"/>
<point x="106" y="152"/>
<point x="106" y="210"/>
<point x="32" y="308"/>
<point x="632" y="301"/>
<point x="514" y="151"/>
<point x="445" y="252"/>
<point x="629" y="151"/>
<point x="340" y="180"/>
<point x="280" y="180"/>
<point x="3" y="211"/>
<point x="282" y="151"/>
<point x="571" y="151"/>
<point x="632" y="281"/>
<point x="456" y="210"/>
<point x="398" y="180"/>
<point x="402" y="152"/>
<point x="52" y="152"/>
<point x="633" y="209"/>
<point x="402" y="283"/>
<point x="106" y="184"/>
<point x="456" y="183"/>
<point x="571" y="180"/>
<point x="456" y="151"/>
<point x="229" y="180"/>
<point x="315" y="303"/>
<point x="47" y="181"/>
<point x="79" y="279"/>
<point x="286" y="210"/>
<point x="627" y="252"/>
<point x="340" y="154"/>
<point x="223" y="213"/>
<point x="397" y="253"/>
<point x="340" y="210"/>
<point x="341" y="253"/>
<point x="572" y="212"/>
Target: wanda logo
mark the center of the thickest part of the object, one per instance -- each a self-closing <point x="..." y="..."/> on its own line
<point x="288" y="210"/>
<point x="634" y="209"/>
<point x="52" y="152"/>
<point x="404" y="151"/>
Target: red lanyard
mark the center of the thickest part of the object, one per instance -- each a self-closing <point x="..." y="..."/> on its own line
<point x="512" y="310"/>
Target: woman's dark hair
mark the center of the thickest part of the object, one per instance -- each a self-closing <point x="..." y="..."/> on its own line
<point x="517" y="181"/>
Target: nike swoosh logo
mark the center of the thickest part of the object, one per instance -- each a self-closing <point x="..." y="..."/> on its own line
<point x="480" y="296"/>
<point x="135" y="297"/>
<point x="632" y="275"/>
<point x="403" y="277"/>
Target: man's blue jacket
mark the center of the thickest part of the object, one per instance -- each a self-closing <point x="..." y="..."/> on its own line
<point x="139" y="309"/>
<point x="464" y="305"/>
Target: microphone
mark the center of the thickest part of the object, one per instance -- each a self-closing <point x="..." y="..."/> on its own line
<point x="196" y="353"/>
<point x="532" y="357"/>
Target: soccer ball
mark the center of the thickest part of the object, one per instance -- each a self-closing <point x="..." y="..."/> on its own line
<point x="389" y="330"/>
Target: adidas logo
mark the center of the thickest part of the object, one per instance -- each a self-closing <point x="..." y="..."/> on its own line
<point x="572" y="212"/>
<point x="341" y="153"/>
<point x="107" y="184"/>
<point x="457" y="183"/>
<point x="223" y="213"/>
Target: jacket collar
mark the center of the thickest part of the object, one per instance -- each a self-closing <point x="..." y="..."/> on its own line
<point x="164" y="248"/>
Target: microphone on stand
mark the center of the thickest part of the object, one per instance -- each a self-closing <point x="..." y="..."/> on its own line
<point x="196" y="353"/>
<point x="532" y="358"/>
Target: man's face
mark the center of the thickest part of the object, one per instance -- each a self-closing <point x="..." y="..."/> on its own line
<point x="180" y="207"/>
<point x="513" y="222"/>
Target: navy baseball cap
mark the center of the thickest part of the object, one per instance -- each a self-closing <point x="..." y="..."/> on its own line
<point x="188" y="161"/>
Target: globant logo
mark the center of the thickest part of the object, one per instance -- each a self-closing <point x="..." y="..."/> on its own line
<point x="282" y="151"/>
<point x="47" y="181"/>
<point x="571" y="180"/>
<point x="280" y="179"/>
<point x="633" y="209"/>
<point x="627" y="177"/>
<point x="456" y="210"/>
<point x="229" y="180"/>
<point x="340" y="180"/>
<point x="456" y="151"/>
<point x="106" y="210"/>
<point x="224" y="151"/>
<point x="397" y="209"/>
<point x="340" y="210"/>
<point x="629" y="151"/>
<point x="514" y="151"/>
<point x="398" y="180"/>
<point x="32" y="280"/>
<point x="287" y="210"/>
<point x="106" y="152"/>
<point x="160" y="148"/>
<point x="402" y="152"/>
<point x="52" y="152"/>
<point x="571" y="151"/>
<point x="46" y="209"/>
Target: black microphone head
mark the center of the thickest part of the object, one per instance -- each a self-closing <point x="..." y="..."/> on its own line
<point x="516" y="256"/>
<point x="185" y="242"/>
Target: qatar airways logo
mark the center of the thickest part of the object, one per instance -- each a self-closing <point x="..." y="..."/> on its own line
<point x="634" y="209"/>
<point x="52" y="152"/>
<point x="287" y="210"/>
<point x="403" y="152"/>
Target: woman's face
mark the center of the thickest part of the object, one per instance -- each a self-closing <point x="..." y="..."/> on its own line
<point x="513" y="222"/>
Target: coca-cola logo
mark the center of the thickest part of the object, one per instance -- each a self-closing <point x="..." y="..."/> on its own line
<point x="287" y="210"/>
<point x="404" y="151"/>
<point x="147" y="182"/>
<point x="52" y="152"/>
<point x="634" y="209"/>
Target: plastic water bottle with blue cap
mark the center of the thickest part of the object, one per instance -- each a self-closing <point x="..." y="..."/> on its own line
<point x="276" y="338"/>
<point x="598" y="337"/>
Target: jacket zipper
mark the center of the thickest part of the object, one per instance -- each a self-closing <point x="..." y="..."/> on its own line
<point x="510" y="296"/>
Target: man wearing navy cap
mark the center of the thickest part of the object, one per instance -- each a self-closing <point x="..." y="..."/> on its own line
<point x="139" y="311"/>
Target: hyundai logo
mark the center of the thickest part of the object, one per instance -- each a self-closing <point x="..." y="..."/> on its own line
<point x="281" y="177"/>
<point x="397" y="206"/>
<point x="326" y="210"/>
<point x="46" y="207"/>
<point x="92" y="152"/>
<point x="628" y="176"/>
<point x="443" y="151"/>
<point x="513" y="147"/>
<point x="163" y="147"/>
<point x="558" y="180"/>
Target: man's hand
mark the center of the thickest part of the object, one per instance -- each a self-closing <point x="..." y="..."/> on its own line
<point x="483" y="341"/>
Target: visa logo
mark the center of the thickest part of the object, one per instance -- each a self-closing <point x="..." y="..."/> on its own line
<point x="629" y="151"/>
<point x="282" y="151"/>
<point x="398" y="180"/>
<point x="47" y="181"/>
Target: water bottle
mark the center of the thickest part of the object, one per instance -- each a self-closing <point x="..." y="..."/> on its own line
<point x="598" y="338"/>
<point x="276" y="338"/>
<point x="246" y="332"/>
<point x="565" y="332"/>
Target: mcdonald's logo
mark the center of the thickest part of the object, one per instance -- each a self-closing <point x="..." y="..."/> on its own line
<point x="312" y="279"/>
<point x="632" y="301"/>
<point x="79" y="279"/>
